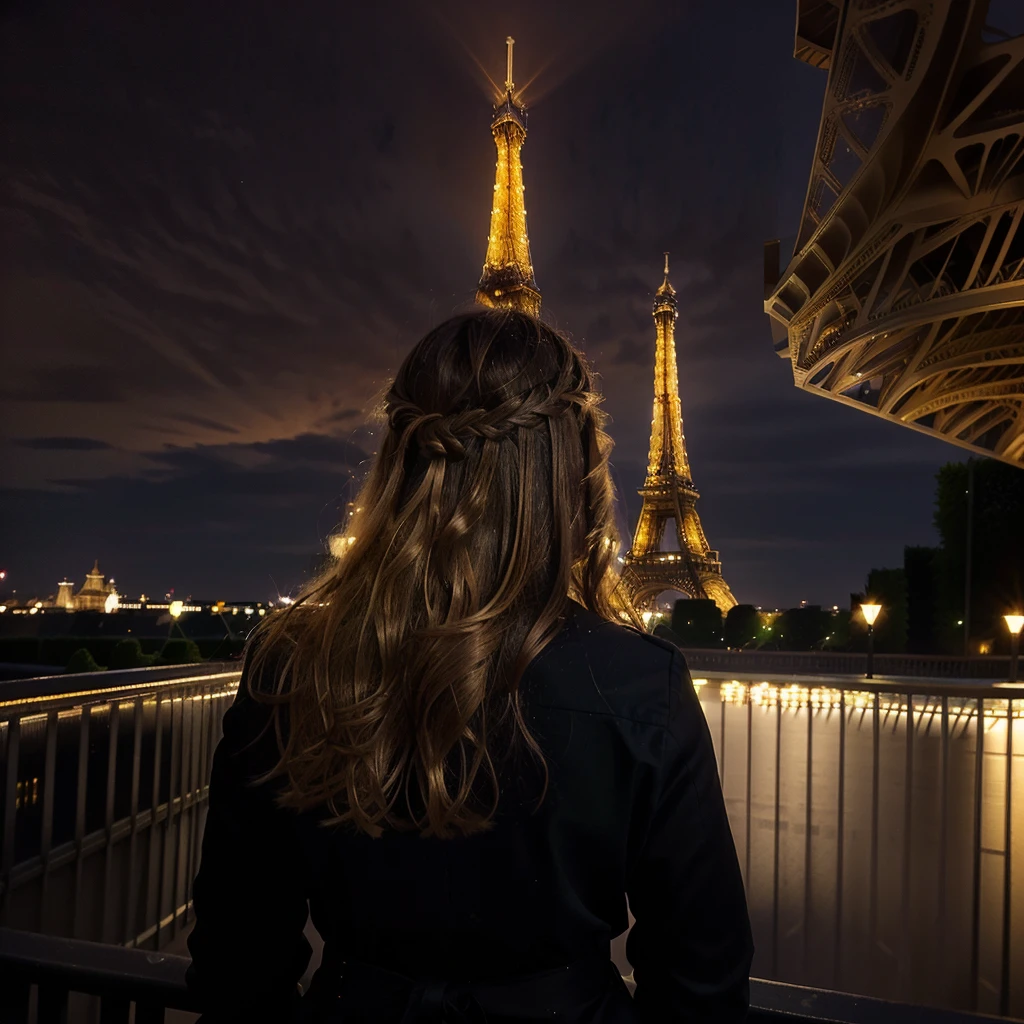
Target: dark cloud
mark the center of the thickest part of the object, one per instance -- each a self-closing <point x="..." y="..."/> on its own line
<point x="63" y="444"/>
<point x="222" y="234"/>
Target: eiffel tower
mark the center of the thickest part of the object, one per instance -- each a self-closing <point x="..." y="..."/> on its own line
<point x="668" y="492"/>
<point x="507" y="279"/>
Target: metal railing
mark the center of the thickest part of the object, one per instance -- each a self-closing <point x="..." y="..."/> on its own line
<point x="875" y="825"/>
<point x="39" y="973"/>
<point x="874" y="821"/>
<point x="103" y="797"/>
<point x="853" y="663"/>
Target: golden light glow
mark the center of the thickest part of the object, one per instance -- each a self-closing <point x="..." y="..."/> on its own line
<point x="175" y="608"/>
<point x="1014" y="623"/>
<point x="112" y="602"/>
<point x="793" y="697"/>
<point x="870" y="612"/>
<point x="340" y="543"/>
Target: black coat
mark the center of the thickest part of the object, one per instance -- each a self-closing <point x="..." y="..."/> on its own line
<point x="634" y="807"/>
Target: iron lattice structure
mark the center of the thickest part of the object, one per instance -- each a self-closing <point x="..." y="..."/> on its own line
<point x="668" y="492"/>
<point x="905" y="292"/>
<point x="507" y="278"/>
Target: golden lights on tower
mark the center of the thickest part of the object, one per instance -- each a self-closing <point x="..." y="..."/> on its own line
<point x="507" y="279"/>
<point x="668" y="452"/>
<point x="656" y="562"/>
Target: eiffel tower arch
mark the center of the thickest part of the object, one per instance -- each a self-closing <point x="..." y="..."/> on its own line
<point x="649" y="568"/>
<point x="904" y="296"/>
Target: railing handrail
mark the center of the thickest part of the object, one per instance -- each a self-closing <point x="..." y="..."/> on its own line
<point x="159" y="979"/>
<point x="907" y="655"/>
<point x="44" y="692"/>
<point x="974" y="670"/>
<point x="898" y="685"/>
<point x="97" y="968"/>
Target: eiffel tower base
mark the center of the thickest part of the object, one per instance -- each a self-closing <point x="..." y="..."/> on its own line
<point x="644" y="579"/>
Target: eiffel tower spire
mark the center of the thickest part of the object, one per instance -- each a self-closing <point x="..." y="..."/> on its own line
<point x="690" y="566"/>
<point x="507" y="278"/>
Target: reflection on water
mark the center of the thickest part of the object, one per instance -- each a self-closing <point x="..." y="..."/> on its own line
<point x="878" y="854"/>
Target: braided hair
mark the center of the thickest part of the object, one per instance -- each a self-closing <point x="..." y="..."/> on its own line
<point x="489" y="506"/>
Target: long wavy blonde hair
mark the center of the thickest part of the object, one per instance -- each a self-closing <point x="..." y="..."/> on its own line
<point x="489" y="504"/>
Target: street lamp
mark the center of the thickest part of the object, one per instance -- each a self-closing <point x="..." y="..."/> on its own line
<point x="870" y="612"/>
<point x="1014" y="623"/>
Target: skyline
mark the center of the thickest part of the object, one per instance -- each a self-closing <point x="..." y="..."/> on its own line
<point x="199" y="316"/>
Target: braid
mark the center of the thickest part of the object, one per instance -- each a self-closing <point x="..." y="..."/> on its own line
<point x="444" y="435"/>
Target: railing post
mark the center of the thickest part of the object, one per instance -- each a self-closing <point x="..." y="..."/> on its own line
<point x="979" y="765"/>
<point x="775" y="843"/>
<point x="807" y="833"/>
<point x="46" y="829"/>
<point x="11" y="756"/>
<point x="113" y="718"/>
<point x="908" y="791"/>
<point x="1006" y="959"/>
<point x="837" y="964"/>
<point x="82" y="780"/>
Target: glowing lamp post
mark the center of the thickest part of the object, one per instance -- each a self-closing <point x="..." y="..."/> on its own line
<point x="870" y="613"/>
<point x="1014" y="623"/>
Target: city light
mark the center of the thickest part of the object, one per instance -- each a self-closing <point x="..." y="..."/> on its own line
<point x="175" y="608"/>
<point x="870" y="612"/>
<point x="1014" y="623"/>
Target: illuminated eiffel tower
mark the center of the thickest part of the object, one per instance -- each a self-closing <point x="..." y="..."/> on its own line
<point x="507" y="279"/>
<point x="668" y="492"/>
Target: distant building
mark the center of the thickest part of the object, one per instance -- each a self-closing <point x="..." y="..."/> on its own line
<point x="65" y="596"/>
<point x="95" y="592"/>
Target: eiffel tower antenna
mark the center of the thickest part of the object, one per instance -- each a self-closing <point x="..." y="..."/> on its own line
<point x="510" y="86"/>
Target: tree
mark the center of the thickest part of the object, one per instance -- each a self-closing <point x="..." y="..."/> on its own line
<point x="802" y="629"/>
<point x="697" y="623"/>
<point x="180" y="652"/>
<point x="888" y="587"/>
<point x="83" y="661"/>
<point x="128" y="654"/>
<point x="838" y="638"/>
<point x="920" y="573"/>
<point x="996" y="512"/>
<point x="742" y="625"/>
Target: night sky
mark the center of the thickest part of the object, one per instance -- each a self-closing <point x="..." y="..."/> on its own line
<point x="226" y="223"/>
